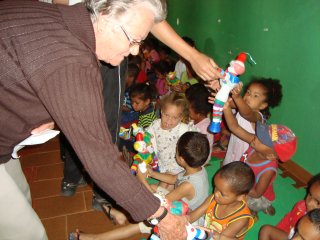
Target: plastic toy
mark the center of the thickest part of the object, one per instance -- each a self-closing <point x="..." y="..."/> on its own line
<point x="181" y="208"/>
<point x="146" y="155"/>
<point x="228" y="82"/>
<point x="172" y="80"/>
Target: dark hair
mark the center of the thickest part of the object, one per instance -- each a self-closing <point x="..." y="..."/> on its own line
<point x="239" y="175"/>
<point x="133" y="71"/>
<point x="314" y="217"/>
<point x="197" y="95"/>
<point x="144" y="91"/>
<point x="162" y="67"/>
<point x="194" y="148"/>
<point x="273" y="93"/>
<point x="314" y="180"/>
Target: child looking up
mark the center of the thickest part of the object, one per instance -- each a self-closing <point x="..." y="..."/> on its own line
<point x="141" y="96"/>
<point x="191" y="185"/>
<point x="286" y="227"/>
<point x="200" y="108"/>
<point x="269" y="144"/>
<point x="227" y="215"/>
<point x="167" y="130"/>
<point x="260" y="95"/>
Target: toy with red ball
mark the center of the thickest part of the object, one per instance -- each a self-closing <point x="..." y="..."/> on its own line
<point x="228" y="82"/>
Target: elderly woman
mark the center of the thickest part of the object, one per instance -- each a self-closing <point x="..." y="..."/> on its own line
<point x="50" y="72"/>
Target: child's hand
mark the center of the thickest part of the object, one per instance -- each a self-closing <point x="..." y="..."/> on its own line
<point x="227" y="104"/>
<point x="213" y="84"/>
<point x="142" y="176"/>
<point x="212" y="98"/>
<point x="237" y="90"/>
<point x="149" y="171"/>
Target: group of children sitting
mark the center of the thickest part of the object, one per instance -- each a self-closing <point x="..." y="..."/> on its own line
<point x="243" y="186"/>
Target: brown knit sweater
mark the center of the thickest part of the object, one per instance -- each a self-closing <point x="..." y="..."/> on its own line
<point x="48" y="70"/>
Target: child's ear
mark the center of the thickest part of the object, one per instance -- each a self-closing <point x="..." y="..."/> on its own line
<point x="242" y="197"/>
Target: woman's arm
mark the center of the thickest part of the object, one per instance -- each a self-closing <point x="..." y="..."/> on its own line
<point x="203" y="65"/>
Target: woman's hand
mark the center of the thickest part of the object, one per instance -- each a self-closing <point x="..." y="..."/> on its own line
<point x="204" y="66"/>
<point x="45" y="126"/>
<point x="173" y="227"/>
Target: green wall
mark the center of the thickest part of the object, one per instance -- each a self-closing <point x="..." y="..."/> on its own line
<point x="283" y="36"/>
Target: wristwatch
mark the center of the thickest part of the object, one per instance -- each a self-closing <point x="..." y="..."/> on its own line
<point x="156" y="220"/>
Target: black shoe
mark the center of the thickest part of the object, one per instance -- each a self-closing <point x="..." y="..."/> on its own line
<point x="69" y="189"/>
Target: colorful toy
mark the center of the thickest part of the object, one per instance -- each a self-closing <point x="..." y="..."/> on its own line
<point x="172" y="80"/>
<point x="146" y="155"/>
<point x="228" y="82"/>
<point x="181" y="208"/>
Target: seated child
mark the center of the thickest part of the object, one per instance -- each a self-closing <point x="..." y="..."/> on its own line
<point x="128" y="114"/>
<point x="227" y="215"/>
<point x="142" y="96"/>
<point x="286" y="227"/>
<point x="161" y="70"/>
<point x="199" y="109"/>
<point x="167" y="130"/>
<point x="269" y="144"/>
<point x="260" y="95"/>
<point x="191" y="185"/>
<point x="309" y="226"/>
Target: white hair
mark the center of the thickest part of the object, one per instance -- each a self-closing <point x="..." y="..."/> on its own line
<point x="117" y="8"/>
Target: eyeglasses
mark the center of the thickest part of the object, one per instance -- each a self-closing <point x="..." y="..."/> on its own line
<point x="132" y="42"/>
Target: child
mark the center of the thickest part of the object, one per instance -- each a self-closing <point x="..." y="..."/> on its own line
<point x="309" y="226"/>
<point x="285" y="229"/>
<point x="199" y="109"/>
<point x="191" y="185"/>
<point x="260" y="95"/>
<point x="167" y="130"/>
<point x="161" y="70"/>
<point x="128" y="114"/>
<point x="227" y="214"/>
<point x="269" y="144"/>
<point x="141" y="96"/>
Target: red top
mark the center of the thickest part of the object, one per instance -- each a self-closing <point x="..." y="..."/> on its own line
<point x="289" y="221"/>
<point x="259" y="169"/>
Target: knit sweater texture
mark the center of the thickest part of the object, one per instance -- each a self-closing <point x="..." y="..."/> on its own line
<point x="49" y="71"/>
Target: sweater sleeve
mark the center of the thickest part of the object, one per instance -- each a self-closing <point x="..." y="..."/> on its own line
<point x="73" y="97"/>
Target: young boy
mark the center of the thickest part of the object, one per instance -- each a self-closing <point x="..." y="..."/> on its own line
<point x="227" y="215"/>
<point x="286" y="228"/>
<point x="191" y="185"/>
<point x="309" y="226"/>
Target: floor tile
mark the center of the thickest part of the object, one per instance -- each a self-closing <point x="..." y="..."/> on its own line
<point x="59" y="205"/>
<point x="56" y="227"/>
<point x="49" y="146"/>
<point x="50" y="171"/>
<point x="40" y="159"/>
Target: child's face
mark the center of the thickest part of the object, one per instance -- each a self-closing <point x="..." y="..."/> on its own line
<point x="171" y="116"/>
<point x="139" y="104"/>
<point x="223" y="193"/>
<point x="313" y="197"/>
<point x="255" y="97"/>
<point x="306" y="230"/>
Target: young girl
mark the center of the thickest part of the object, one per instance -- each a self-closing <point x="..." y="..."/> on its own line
<point x="199" y="109"/>
<point x="286" y="227"/>
<point x="260" y="95"/>
<point x="167" y="130"/>
<point x="142" y="96"/>
<point x="269" y="144"/>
